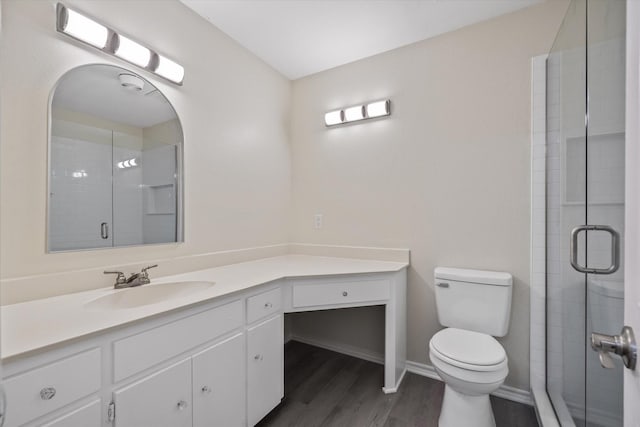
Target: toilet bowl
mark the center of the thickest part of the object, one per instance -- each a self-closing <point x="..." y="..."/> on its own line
<point x="472" y="365"/>
<point x="474" y="306"/>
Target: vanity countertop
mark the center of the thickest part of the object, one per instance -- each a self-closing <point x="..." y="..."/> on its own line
<point x="37" y="324"/>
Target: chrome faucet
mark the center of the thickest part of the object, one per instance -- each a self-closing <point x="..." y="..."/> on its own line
<point x="136" y="279"/>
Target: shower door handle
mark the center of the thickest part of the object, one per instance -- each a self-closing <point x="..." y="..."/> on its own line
<point x="615" y="249"/>
<point x="104" y="230"/>
<point x="624" y="345"/>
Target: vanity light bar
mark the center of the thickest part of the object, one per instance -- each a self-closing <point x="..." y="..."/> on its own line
<point x="358" y="112"/>
<point x="86" y="30"/>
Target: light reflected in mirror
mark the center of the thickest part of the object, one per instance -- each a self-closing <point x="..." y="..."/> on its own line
<point x="115" y="162"/>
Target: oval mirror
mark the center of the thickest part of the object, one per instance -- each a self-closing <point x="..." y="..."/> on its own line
<point x="115" y="168"/>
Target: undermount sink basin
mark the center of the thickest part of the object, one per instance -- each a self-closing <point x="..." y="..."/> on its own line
<point x="146" y="295"/>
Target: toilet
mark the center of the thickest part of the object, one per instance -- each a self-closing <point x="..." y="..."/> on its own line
<point x="474" y="306"/>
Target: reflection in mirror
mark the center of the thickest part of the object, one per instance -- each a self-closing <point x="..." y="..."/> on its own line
<point x="115" y="150"/>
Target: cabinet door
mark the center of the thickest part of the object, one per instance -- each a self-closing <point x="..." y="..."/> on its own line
<point x="159" y="400"/>
<point x="265" y="368"/>
<point x="219" y="384"/>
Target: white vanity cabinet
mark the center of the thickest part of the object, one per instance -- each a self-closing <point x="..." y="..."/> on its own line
<point x="162" y="399"/>
<point x="52" y="386"/>
<point x="204" y="390"/>
<point x="265" y="367"/>
<point x="216" y="362"/>
<point x="219" y="384"/>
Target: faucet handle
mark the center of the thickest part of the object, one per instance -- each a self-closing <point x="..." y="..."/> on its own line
<point x="144" y="270"/>
<point x="121" y="278"/>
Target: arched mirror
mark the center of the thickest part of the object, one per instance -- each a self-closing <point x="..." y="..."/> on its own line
<point x="115" y="162"/>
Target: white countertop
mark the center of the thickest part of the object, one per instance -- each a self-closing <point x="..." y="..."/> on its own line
<point x="40" y="323"/>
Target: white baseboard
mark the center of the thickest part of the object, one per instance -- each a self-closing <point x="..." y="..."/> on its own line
<point x="504" y="392"/>
<point x="370" y="356"/>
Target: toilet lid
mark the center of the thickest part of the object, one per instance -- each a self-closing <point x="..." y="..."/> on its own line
<point x="472" y="348"/>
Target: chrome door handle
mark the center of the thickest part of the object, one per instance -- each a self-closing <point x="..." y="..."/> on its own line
<point x="615" y="249"/>
<point x="624" y="345"/>
<point x="104" y="230"/>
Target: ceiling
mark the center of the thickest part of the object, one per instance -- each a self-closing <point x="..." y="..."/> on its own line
<point x="303" y="37"/>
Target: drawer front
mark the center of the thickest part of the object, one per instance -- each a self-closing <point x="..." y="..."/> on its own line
<point x="87" y="416"/>
<point x="264" y="304"/>
<point x="317" y="294"/>
<point x="50" y="387"/>
<point x="146" y="349"/>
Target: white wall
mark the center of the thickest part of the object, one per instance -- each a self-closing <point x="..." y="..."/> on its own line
<point x="234" y="111"/>
<point x="447" y="175"/>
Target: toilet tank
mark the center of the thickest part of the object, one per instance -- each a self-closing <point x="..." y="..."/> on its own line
<point x="474" y="300"/>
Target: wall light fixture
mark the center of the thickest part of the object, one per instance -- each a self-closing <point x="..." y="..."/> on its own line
<point x="358" y="112"/>
<point x="73" y="24"/>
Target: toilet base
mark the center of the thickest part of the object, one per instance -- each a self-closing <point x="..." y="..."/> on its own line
<point x="462" y="410"/>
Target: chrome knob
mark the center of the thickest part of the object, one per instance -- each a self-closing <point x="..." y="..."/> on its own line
<point x="206" y="389"/>
<point x="268" y="305"/>
<point x="345" y="293"/>
<point x="258" y="357"/>
<point x="624" y="345"/>
<point x="182" y="405"/>
<point x="47" y="393"/>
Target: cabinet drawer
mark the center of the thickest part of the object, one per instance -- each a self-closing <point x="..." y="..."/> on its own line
<point x="50" y="387"/>
<point x="146" y="349"/>
<point x="87" y="416"/>
<point x="264" y="304"/>
<point x="330" y="293"/>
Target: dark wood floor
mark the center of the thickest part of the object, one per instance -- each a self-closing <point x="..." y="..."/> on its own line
<point x="323" y="388"/>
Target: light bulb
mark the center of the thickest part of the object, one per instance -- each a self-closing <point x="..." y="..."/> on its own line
<point x="169" y="69"/>
<point x="353" y="113"/>
<point x="333" y="118"/>
<point x="133" y="52"/>
<point x="378" y="109"/>
<point x="85" y="29"/>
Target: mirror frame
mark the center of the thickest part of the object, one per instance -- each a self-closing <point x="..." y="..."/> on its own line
<point x="179" y="169"/>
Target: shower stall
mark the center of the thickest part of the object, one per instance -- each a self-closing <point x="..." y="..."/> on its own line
<point x="584" y="175"/>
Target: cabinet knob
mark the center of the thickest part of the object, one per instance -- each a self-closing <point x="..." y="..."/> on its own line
<point x="182" y="405"/>
<point x="345" y="293"/>
<point x="206" y="389"/>
<point x="47" y="393"/>
<point x="258" y="357"/>
<point x="268" y="305"/>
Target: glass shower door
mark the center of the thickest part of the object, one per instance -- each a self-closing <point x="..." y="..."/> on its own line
<point x="585" y="199"/>
<point x="605" y="150"/>
<point x="566" y="171"/>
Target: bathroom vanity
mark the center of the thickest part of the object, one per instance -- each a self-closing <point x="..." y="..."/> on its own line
<point x="210" y="355"/>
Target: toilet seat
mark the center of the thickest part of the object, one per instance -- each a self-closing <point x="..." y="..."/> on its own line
<point x="468" y="350"/>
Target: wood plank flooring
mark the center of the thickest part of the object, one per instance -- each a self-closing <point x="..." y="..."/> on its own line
<point x="323" y="388"/>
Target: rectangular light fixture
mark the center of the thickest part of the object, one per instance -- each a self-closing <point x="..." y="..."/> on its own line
<point x="74" y="24"/>
<point x="356" y="113"/>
